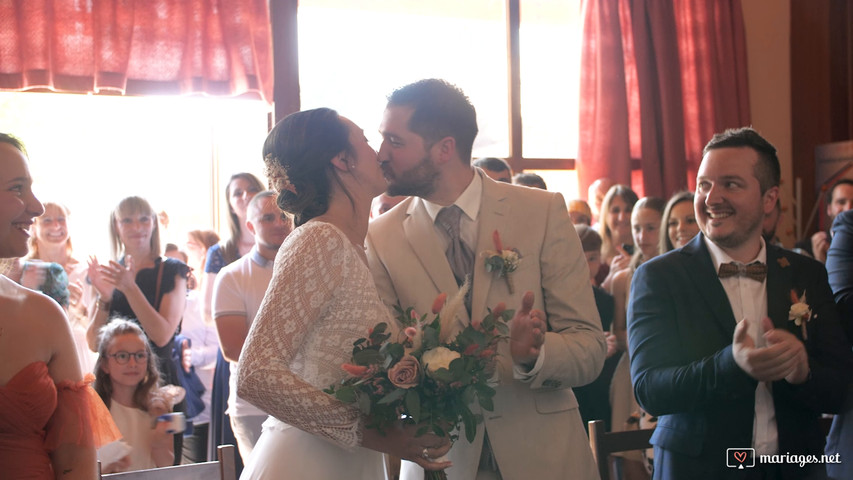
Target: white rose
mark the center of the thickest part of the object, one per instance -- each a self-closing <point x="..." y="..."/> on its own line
<point x="798" y="310"/>
<point x="438" y="357"/>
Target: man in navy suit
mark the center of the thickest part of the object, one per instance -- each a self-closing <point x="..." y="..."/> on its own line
<point x="716" y="358"/>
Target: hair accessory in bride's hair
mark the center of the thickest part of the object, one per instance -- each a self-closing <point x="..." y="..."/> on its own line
<point x="277" y="175"/>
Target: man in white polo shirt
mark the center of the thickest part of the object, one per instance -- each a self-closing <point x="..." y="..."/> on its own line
<point x="237" y="295"/>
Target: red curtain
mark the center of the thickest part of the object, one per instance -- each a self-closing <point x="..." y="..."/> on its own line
<point x="658" y="79"/>
<point x="215" y="47"/>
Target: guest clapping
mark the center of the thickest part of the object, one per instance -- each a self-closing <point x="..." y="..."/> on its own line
<point x="51" y="243"/>
<point x="614" y="226"/>
<point x="138" y="284"/>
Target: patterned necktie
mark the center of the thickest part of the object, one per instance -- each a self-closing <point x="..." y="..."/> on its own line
<point x="755" y="270"/>
<point x="459" y="256"/>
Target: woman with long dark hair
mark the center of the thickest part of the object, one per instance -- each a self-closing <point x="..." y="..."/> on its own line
<point x="321" y="298"/>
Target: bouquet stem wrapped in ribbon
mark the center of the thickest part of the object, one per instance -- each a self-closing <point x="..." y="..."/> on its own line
<point x="423" y="377"/>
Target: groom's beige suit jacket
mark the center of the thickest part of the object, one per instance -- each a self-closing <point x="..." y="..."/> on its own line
<point x="535" y="429"/>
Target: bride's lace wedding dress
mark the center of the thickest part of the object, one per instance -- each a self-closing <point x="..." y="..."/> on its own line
<point x="321" y="299"/>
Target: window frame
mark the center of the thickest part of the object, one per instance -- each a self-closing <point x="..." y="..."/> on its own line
<point x="283" y="15"/>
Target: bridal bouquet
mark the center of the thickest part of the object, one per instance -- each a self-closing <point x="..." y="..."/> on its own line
<point x="422" y="377"/>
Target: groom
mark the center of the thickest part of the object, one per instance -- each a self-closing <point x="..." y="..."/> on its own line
<point x="435" y="239"/>
<point x="713" y="352"/>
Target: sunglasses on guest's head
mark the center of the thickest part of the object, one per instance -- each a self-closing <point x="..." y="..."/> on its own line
<point x="123" y="357"/>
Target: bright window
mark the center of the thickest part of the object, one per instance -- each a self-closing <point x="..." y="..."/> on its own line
<point x="89" y="152"/>
<point x="549" y="41"/>
<point x="353" y="54"/>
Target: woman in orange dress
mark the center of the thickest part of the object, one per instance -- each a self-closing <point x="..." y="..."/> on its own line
<point x="47" y="408"/>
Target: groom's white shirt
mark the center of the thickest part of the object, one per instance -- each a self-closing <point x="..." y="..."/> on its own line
<point x="535" y="429"/>
<point x="469" y="202"/>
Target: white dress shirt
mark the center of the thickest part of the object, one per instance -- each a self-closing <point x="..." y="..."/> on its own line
<point x="742" y="293"/>
<point x="469" y="202"/>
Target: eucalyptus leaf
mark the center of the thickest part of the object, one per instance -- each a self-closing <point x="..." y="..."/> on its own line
<point x="486" y="402"/>
<point x="470" y="423"/>
<point x="345" y="394"/>
<point x="413" y="405"/>
<point x="367" y="357"/>
<point x="442" y="375"/>
<point x="395" y="395"/>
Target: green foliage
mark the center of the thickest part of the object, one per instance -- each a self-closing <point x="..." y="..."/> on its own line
<point x="494" y="264"/>
<point x="442" y="399"/>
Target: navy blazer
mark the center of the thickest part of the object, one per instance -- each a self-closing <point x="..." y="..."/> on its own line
<point x="680" y="329"/>
<point x="839" y="265"/>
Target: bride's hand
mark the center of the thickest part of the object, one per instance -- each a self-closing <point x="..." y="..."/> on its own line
<point x="401" y="442"/>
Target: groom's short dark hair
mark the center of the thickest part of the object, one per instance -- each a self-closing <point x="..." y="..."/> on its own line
<point x="441" y="109"/>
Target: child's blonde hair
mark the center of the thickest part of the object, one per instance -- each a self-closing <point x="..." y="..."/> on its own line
<point x="103" y="382"/>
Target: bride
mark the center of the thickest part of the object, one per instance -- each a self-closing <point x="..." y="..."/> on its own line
<point x="321" y="298"/>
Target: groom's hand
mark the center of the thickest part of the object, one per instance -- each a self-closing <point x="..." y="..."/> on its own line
<point x="527" y="333"/>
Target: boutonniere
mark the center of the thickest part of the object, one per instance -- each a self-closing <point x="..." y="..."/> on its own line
<point x="800" y="312"/>
<point x="503" y="261"/>
<point x="783" y="262"/>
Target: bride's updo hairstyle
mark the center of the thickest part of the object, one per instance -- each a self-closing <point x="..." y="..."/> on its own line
<point x="297" y="157"/>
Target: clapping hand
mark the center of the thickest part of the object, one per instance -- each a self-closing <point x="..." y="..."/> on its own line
<point x="784" y="357"/>
<point x="34" y="274"/>
<point x="121" y="277"/>
<point x="621" y="261"/>
<point x="104" y="288"/>
<point x="612" y="344"/>
<point x="75" y="293"/>
<point x="820" y="245"/>
<point x="527" y="332"/>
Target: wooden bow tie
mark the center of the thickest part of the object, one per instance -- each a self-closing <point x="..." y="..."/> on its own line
<point x="756" y="270"/>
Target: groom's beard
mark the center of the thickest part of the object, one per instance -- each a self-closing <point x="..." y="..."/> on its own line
<point x="418" y="181"/>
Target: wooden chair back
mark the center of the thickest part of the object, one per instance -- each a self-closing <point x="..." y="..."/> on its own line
<point x="223" y="468"/>
<point x="604" y="443"/>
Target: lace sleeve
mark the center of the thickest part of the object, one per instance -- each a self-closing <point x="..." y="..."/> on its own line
<point x="80" y="418"/>
<point x="293" y="324"/>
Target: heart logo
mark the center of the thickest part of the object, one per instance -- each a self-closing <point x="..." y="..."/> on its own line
<point x="740" y="456"/>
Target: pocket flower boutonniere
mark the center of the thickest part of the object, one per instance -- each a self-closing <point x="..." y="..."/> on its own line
<point x="800" y="312"/>
<point x="503" y="261"/>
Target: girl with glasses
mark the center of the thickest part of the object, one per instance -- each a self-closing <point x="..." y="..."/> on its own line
<point x="128" y="381"/>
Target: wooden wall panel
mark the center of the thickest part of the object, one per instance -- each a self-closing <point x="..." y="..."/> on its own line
<point x="821" y="98"/>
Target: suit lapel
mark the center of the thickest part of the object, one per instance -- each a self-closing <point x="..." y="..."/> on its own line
<point x="700" y="270"/>
<point x="493" y="211"/>
<point x="421" y="235"/>
<point x="780" y="280"/>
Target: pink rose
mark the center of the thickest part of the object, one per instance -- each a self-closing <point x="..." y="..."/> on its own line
<point x="406" y="373"/>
